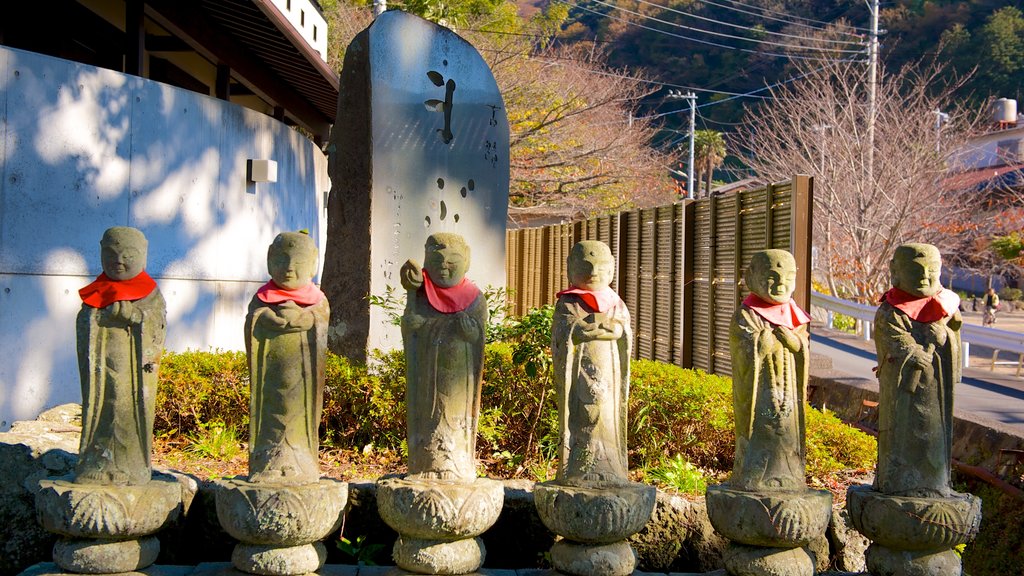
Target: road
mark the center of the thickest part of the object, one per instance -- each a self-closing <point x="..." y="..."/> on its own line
<point x="990" y="396"/>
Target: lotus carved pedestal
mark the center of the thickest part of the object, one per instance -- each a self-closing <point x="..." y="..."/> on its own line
<point x="278" y="526"/>
<point x="768" y="531"/>
<point x="913" y="536"/>
<point x="439" y="521"/>
<point x="594" y="522"/>
<point x="107" y="529"/>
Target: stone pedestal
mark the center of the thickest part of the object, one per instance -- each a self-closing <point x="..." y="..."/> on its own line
<point x="594" y="521"/>
<point x="107" y="529"/>
<point x="769" y="531"/>
<point x="279" y="526"/>
<point x="913" y="536"/>
<point x="439" y="521"/>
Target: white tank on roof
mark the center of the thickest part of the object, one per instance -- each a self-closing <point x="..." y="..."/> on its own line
<point x="1004" y="110"/>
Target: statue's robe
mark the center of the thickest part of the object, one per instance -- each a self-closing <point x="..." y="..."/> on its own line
<point x="915" y="408"/>
<point x="118" y="366"/>
<point x="592" y="388"/>
<point x="769" y="393"/>
<point x="444" y="376"/>
<point x="286" y="370"/>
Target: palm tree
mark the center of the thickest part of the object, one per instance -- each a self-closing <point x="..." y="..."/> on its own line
<point x="708" y="153"/>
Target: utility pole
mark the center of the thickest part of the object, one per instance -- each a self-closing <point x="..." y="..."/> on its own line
<point x="872" y="89"/>
<point x="675" y="95"/>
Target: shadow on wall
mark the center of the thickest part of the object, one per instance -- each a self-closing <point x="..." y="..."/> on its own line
<point x="83" y="149"/>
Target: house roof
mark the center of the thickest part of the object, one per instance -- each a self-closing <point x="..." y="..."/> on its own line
<point x="985" y="179"/>
<point x="263" y="50"/>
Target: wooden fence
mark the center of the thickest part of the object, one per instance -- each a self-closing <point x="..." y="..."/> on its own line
<point x="679" y="266"/>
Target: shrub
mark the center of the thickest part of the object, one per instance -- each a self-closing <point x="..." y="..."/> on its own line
<point x="680" y="475"/>
<point x="1010" y="294"/>
<point x="197" y="388"/>
<point x="834" y="446"/>
<point x="364" y="405"/>
<point x="680" y="426"/>
<point x="677" y="411"/>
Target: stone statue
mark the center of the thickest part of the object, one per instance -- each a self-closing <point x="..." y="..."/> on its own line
<point x="443" y="332"/>
<point x="108" y="511"/>
<point x="280" y="513"/>
<point x="769" y="345"/>
<point x="912" y="516"/>
<point x="591" y="342"/>
<point x="766" y="509"/>
<point x="120" y="339"/>
<point x="285" y="334"/>
<point x="591" y="503"/>
<point x="441" y="507"/>
<point x="917" y="335"/>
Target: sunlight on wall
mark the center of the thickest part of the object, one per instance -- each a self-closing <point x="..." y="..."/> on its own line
<point x="84" y="149"/>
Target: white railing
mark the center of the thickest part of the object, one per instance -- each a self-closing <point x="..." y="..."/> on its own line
<point x="997" y="340"/>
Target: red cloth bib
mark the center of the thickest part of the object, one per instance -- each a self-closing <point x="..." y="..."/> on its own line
<point x="596" y="300"/>
<point x="789" y="314"/>
<point x="927" y="309"/>
<point x="308" y="295"/>
<point x="103" y="291"/>
<point x="449" y="300"/>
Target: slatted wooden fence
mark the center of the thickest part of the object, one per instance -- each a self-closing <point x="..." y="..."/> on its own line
<point x="680" y="266"/>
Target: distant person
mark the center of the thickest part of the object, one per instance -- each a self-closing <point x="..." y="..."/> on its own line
<point x="991" y="305"/>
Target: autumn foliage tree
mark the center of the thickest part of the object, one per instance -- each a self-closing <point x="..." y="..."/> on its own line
<point x="576" y="141"/>
<point x="819" y="125"/>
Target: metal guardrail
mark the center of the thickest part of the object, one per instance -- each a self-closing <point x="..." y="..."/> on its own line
<point x="997" y="340"/>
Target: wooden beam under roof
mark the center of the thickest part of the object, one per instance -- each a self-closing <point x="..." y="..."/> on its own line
<point x="217" y="46"/>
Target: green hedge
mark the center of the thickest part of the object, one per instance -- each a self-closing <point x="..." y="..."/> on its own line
<point x="677" y="416"/>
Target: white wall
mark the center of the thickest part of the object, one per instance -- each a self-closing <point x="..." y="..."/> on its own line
<point x="305" y="18"/>
<point x="83" y="149"/>
<point x="983" y="151"/>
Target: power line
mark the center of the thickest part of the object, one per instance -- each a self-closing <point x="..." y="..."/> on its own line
<point x="698" y="40"/>
<point x="765" y="11"/>
<point x="722" y="34"/>
<point x="744" y="27"/>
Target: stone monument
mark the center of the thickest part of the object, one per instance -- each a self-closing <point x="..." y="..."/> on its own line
<point x="421" y="145"/>
<point x="107" y="511"/>
<point x="440" y="507"/>
<point x="283" y="509"/>
<point x="766" y="508"/>
<point x="591" y="503"/>
<point x="911" y="514"/>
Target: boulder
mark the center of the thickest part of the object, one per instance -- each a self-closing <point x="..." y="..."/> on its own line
<point x="30" y="452"/>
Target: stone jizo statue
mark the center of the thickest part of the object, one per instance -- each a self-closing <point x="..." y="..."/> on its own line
<point x="911" y="514"/>
<point x="286" y="331"/>
<point x="443" y="333"/>
<point x="769" y="344"/>
<point x="120" y="339"/>
<point x="917" y="335"/>
<point x="591" y="341"/>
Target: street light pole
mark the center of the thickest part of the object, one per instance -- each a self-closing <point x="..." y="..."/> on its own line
<point x="940" y="118"/>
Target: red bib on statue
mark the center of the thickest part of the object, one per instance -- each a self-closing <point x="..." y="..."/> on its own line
<point x="308" y="295"/>
<point x="927" y="309"/>
<point x="103" y="291"/>
<point x="789" y="314"/>
<point x="597" y="300"/>
<point x="449" y="300"/>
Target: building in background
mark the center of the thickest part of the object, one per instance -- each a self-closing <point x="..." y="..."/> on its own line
<point x="198" y="122"/>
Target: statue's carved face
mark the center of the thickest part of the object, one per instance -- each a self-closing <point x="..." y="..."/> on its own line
<point x="591" y="266"/>
<point x="291" y="263"/>
<point x="123" y="256"/>
<point x="446" y="264"/>
<point x="772" y="276"/>
<point x="916" y="268"/>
